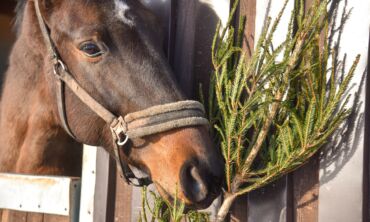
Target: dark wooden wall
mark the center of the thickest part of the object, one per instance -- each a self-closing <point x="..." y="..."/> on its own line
<point x="190" y="26"/>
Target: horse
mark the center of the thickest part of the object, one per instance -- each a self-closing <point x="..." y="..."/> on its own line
<point x="113" y="49"/>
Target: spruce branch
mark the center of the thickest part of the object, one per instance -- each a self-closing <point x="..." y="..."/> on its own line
<point x="274" y="111"/>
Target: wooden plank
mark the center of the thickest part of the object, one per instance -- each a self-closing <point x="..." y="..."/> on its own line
<point x="162" y="9"/>
<point x="271" y="203"/>
<point x="123" y="209"/>
<point x="306" y="183"/>
<point x="306" y="191"/>
<point x="184" y="45"/>
<point x="111" y="196"/>
<point x="172" y="24"/>
<point x="35" y="217"/>
<point x="39" y="194"/>
<point x="239" y="211"/>
<point x="341" y="166"/>
<point x="94" y="184"/>
<point x="14" y="216"/>
<point x="248" y="8"/>
<point x="195" y="24"/>
<point x="55" y="218"/>
<point x="206" y="16"/>
<point x="136" y="202"/>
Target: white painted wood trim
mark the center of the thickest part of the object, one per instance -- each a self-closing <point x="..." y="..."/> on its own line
<point x="39" y="194"/>
<point x="94" y="184"/>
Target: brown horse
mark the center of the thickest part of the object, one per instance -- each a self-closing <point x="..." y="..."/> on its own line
<point x="113" y="48"/>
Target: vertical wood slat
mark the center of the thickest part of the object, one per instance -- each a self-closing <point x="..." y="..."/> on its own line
<point x="248" y="8"/>
<point x="305" y="188"/>
<point x="172" y="24"/>
<point x="36" y="217"/>
<point x="94" y="184"/>
<point x="207" y="15"/>
<point x="112" y="190"/>
<point x="14" y="216"/>
<point x="184" y="45"/>
<point x="195" y="23"/>
<point x="239" y="210"/>
<point x="123" y="209"/>
<point x="271" y="203"/>
<point x="306" y="191"/>
<point x="52" y="218"/>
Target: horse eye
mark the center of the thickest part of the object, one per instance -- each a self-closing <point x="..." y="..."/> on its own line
<point x="91" y="50"/>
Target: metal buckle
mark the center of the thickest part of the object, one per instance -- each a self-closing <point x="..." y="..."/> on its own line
<point x="57" y="65"/>
<point x="121" y="143"/>
<point x="119" y="128"/>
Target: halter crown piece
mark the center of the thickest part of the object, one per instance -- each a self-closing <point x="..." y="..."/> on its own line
<point x="146" y="122"/>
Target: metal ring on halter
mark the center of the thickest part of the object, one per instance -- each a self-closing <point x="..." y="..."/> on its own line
<point x="121" y="143"/>
<point x="59" y="64"/>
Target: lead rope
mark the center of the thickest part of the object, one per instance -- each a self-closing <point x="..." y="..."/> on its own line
<point x="146" y="122"/>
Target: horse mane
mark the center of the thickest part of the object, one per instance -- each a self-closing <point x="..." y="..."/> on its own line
<point x="19" y="11"/>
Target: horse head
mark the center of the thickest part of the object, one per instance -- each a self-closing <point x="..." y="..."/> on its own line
<point x="113" y="50"/>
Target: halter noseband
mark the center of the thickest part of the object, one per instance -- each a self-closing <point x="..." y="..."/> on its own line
<point x="146" y="122"/>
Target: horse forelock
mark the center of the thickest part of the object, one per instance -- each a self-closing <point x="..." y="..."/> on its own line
<point x="121" y="7"/>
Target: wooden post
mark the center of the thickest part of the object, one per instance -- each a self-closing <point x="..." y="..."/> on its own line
<point x="271" y="203"/>
<point x="184" y="46"/>
<point x="239" y="211"/>
<point x="94" y="185"/>
<point x="305" y="183"/>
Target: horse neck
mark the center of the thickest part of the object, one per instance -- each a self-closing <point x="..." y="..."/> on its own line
<point x="25" y="80"/>
<point x="28" y="124"/>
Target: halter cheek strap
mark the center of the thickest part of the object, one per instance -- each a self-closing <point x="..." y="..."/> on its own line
<point x="156" y="119"/>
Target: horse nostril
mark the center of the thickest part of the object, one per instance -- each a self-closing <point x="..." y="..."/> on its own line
<point x="194" y="186"/>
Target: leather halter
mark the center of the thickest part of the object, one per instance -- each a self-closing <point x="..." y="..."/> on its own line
<point x="146" y="122"/>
